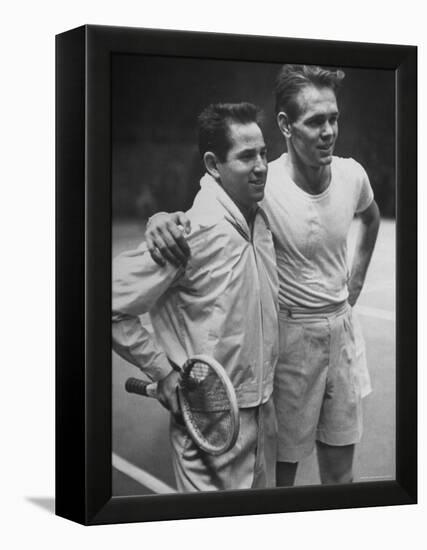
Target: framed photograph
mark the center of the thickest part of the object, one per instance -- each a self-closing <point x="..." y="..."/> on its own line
<point x="133" y="109"/>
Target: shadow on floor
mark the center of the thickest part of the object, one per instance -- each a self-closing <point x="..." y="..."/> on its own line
<point x="47" y="503"/>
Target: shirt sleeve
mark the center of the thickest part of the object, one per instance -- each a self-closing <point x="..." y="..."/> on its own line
<point x="366" y="194"/>
<point x="137" y="283"/>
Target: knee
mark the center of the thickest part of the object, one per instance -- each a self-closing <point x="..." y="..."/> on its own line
<point x="331" y="478"/>
<point x="336" y="473"/>
<point x="335" y="463"/>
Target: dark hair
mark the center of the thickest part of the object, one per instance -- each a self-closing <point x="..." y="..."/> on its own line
<point x="214" y="125"/>
<point x="293" y="78"/>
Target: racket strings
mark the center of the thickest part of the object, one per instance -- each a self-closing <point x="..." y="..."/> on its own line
<point x="206" y="405"/>
<point x="199" y="372"/>
<point x="204" y="389"/>
<point x="214" y="428"/>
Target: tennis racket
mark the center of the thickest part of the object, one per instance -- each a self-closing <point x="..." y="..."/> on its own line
<point x="207" y="400"/>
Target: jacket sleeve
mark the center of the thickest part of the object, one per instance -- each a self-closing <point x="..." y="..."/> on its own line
<point x="137" y="283"/>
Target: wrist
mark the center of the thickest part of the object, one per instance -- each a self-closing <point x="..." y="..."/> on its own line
<point x="169" y="382"/>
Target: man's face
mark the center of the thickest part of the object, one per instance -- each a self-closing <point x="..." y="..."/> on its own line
<point x="244" y="171"/>
<point x="315" y="130"/>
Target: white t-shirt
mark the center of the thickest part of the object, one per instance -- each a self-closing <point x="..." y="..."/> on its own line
<point x="310" y="232"/>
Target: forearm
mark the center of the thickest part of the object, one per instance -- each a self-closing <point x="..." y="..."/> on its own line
<point x="365" y="245"/>
<point x="133" y="342"/>
<point x="137" y="284"/>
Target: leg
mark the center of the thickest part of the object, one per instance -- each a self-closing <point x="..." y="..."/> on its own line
<point x="299" y="386"/>
<point x="340" y="423"/>
<point x="196" y="470"/>
<point x="285" y="473"/>
<point x="267" y="447"/>
<point x="335" y="463"/>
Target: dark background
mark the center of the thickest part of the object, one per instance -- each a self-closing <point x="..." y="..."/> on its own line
<point x="156" y="101"/>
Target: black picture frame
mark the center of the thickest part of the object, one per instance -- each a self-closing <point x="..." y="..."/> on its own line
<point x="83" y="279"/>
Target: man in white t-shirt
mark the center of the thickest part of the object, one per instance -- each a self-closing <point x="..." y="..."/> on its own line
<point x="310" y="199"/>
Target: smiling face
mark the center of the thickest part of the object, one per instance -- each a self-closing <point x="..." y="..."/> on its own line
<point x="243" y="173"/>
<point x="312" y="135"/>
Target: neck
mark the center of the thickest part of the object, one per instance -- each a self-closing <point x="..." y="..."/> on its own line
<point x="247" y="211"/>
<point x="311" y="179"/>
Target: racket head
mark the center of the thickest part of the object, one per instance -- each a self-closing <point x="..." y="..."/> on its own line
<point x="209" y="405"/>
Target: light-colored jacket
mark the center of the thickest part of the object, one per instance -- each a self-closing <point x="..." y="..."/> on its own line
<point x="224" y="303"/>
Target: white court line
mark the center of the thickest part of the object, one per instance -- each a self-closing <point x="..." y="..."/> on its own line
<point x="375" y="287"/>
<point x="376" y="478"/>
<point x="144" y="478"/>
<point x="376" y="312"/>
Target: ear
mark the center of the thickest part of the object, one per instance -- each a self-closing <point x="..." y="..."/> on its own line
<point x="211" y="164"/>
<point x="284" y="124"/>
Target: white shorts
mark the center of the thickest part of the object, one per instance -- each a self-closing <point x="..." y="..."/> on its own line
<point x="317" y="387"/>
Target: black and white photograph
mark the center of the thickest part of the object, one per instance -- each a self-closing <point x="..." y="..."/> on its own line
<point x="253" y="276"/>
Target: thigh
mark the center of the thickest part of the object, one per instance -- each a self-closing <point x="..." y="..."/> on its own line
<point x="340" y="421"/>
<point x="299" y="385"/>
<point x="196" y="470"/>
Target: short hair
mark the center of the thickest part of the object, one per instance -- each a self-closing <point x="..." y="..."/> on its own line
<point x="293" y="78"/>
<point x="214" y="125"/>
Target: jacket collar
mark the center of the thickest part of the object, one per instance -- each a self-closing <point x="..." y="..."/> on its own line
<point x="211" y="191"/>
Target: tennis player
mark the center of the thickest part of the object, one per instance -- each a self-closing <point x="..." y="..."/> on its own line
<point x="223" y="303"/>
<point x="311" y="197"/>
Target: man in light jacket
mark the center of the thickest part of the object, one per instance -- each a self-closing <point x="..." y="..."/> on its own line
<point x="223" y="303"/>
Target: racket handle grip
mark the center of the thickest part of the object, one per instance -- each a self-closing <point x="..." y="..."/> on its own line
<point x="140" y="387"/>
